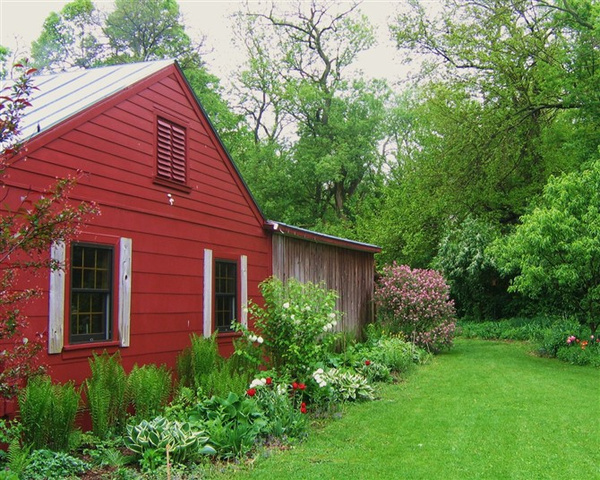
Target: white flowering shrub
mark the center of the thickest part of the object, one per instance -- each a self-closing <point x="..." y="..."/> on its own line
<point x="296" y="324"/>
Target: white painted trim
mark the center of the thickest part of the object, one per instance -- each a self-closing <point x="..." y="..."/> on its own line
<point x="56" y="316"/>
<point x="244" y="290"/>
<point x="208" y="293"/>
<point x="124" y="318"/>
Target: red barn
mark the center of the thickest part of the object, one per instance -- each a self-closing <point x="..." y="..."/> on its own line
<point x="180" y="244"/>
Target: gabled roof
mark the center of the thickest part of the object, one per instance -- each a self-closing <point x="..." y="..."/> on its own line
<point x="62" y="95"/>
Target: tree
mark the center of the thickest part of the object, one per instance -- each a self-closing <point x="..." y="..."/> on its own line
<point x="69" y="39"/>
<point x="299" y="100"/>
<point x="29" y="225"/>
<point x="506" y="99"/>
<point x="143" y="30"/>
<point x="555" y="250"/>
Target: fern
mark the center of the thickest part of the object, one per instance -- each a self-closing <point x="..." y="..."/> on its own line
<point x="18" y="457"/>
<point x="149" y="388"/>
<point x="105" y="390"/>
<point x="197" y="361"/>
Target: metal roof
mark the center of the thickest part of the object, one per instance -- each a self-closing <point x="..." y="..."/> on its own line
<point x="60" y="96"/>
<point x="284" y="229"/>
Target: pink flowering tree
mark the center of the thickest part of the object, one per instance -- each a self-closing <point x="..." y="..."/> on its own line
<point x="416" y="302"/>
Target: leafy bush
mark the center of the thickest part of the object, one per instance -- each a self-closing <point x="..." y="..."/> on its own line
<point x="416" y="302"/>
<point x="105" y="390"/>
<point x="233" y="423"/>
<point x="580" y="352"/>
<point x="49" y="465"/>
<point x="148" y="389"/>
<point x="153" y="437"/>
<point x="285" y="418"/>
<point x="475" y="283"/>
<point x="48" y="413"/>
<point x="296" y="323"/>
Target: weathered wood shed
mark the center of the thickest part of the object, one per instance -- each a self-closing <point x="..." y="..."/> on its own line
<point x="344" y="265"/>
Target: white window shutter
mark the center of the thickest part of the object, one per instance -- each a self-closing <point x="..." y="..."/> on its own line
<point x="124" y="319"/>
<point x="244" y="289"/>
<point x="208" y="292"/>
<point x="56" y="316"/>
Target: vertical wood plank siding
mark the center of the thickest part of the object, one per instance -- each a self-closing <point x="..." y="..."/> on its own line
<point x="349" y="272"/>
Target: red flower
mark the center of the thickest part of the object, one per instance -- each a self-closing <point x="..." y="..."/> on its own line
<point x="269" y="380"/>
<point x="295" y="386"/>
<point x="303" y="405"/>
<point x="367" y="362"/>
<point x="251" y="392"/>
<point x="303" y="409"/>
<point x="301" y="386"/>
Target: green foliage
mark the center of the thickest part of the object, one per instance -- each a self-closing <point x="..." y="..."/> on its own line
<point x="153" y="438"/>
<point x="105" y="390"/>
<point x="18" y="457"/>
<point x="284" y="418"/>
<point x="296" y="324"/>
<point x="196" y="362"/>
<point x="233" y="423"/>
<point x="475" y="285"/>
<point x="49" y="465"/>
<point x="48" y="413"/>
<point x="148" y="389"/>
<point x="555" y="251"/>
<point x="344" y="386"/>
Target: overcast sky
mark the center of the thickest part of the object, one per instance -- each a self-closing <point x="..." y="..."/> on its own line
<point x="21" y="22"/>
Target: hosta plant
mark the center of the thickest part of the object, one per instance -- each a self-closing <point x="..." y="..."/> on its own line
<point x="182" y="440"/>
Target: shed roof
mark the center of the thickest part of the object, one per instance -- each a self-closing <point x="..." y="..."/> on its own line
<point x="59" y="96"/>
<point x="309" y="235"/>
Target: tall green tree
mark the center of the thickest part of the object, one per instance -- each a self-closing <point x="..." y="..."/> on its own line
<point x="507" y="96"/>
<point x="301" y="102"/>
<point x="69" y="38"/>
<point x="555" y="249"/>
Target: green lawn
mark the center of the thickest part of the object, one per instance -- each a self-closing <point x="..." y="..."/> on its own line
<point x="485" y="410"/>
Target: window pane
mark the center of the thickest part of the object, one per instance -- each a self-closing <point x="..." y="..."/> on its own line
<point x="91" y="293"/>
<point x="225" y="294"/>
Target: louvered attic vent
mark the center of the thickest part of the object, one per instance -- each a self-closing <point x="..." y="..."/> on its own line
<point x="170" y="157"/>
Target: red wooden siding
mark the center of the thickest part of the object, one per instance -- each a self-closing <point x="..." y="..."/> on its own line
<point x="116" y="152"/>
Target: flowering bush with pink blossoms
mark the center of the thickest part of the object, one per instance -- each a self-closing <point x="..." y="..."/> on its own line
<point x="416" y="303"/>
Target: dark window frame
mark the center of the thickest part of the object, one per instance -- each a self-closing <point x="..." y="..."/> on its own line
<point x="226" y="294"/>
<point x="81" y="293"/>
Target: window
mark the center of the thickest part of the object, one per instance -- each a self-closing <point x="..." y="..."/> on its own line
<point x="171" y="151"/>
<point x="225" y="294"/>
<point x="90" y="316"/>
<point x="91" y="293"/>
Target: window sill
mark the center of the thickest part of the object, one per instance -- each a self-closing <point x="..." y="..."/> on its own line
<point x="84" y="349"/>
<point x="163" y="182"/>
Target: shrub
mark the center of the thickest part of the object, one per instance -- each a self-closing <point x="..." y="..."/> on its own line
<point x="48" y="413"/>
<point x="296" y="323"/>
<point x="416" y="302"/>
<point x="148" y="389"/>
<point x="580" y="352"/>
<point x="344" y="386"/>
<point x="233" y="423"/>
<point x="106" y="394"/>
<point x="49" y="465"/>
